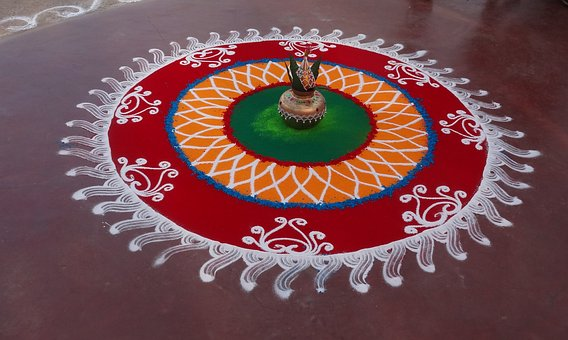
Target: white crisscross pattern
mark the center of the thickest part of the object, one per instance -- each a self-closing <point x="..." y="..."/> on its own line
<point x="400" y="142"/>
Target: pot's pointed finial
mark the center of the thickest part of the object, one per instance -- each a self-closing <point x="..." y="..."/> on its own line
<point x="305" y="72"/>
<point x="303" y="77"/>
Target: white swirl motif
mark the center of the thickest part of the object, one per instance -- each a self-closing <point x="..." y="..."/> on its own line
<point x="404" y="73"/>
<point x="470" y="130"/>
<point x="304" y="245"/>
<point x="136" y="176"/>
<point x="433" y="211"/>
<point x="300" y="46"/>
<point x="132" y="106"/>
<point x="213" y="56"/>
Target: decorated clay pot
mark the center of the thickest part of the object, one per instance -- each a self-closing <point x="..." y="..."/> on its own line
<point x="301" y="110"/>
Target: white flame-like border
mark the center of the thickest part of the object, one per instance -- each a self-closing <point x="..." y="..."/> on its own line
<point x="159" y="228"/>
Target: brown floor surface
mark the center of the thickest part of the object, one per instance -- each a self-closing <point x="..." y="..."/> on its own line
<point x="47" y="12"/>
<point x="63" y="276"/>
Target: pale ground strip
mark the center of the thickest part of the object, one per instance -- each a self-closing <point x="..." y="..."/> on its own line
<point x="22" y="15"/>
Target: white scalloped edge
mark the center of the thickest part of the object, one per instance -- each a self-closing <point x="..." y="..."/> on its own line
<point x="159" y="228"/>
<point x="61" y="11"/>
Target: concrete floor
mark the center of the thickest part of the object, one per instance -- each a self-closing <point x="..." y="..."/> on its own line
<point x="16" y="15"/>
<point x="63" y="276"/>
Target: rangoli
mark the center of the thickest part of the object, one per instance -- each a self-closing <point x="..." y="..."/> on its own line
<point x="191" y="145"/>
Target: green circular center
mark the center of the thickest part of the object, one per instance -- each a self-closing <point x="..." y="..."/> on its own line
<point x="257" y="126"/>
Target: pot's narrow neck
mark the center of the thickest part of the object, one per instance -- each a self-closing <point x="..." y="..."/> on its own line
<point x="307" y="94"/>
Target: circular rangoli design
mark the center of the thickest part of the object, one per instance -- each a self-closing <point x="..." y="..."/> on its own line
<point x="192" y="145"/>
<point x="397" y="144"/>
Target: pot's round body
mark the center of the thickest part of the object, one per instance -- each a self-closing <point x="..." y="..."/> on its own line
<point x="301" y="110"/>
